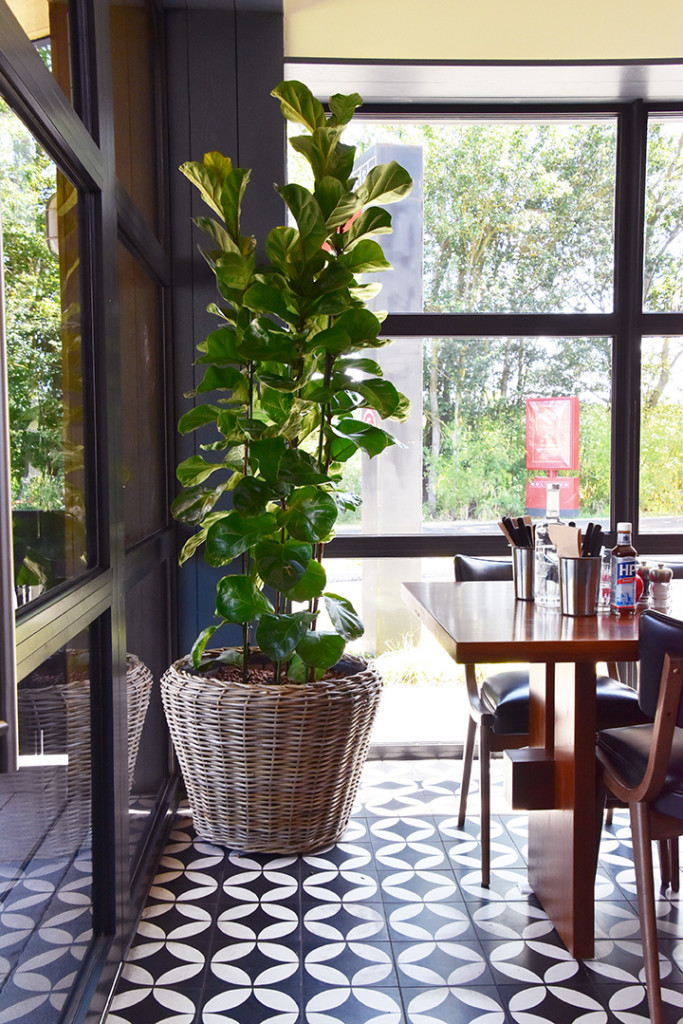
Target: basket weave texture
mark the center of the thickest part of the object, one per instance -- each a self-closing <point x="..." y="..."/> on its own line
<point x="55" y="719"/>
<point x="271" y="767"/>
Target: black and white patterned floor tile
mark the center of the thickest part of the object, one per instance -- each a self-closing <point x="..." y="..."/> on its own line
<point x="45" y="931"/>
<point x="389" y="926"/>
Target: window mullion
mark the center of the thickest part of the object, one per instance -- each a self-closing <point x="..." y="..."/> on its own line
<point x="628" y="292"/>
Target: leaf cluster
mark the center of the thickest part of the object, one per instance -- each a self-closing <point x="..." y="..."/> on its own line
<point x="286" y="374"/>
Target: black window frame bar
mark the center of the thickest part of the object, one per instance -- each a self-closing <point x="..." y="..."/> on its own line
<point x="627" y="324"/>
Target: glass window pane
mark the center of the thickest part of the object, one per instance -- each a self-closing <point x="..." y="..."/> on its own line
<point x="142" y="399"/>
<point x="42" y="322"/>
<point x="663" y="273"/>
<point x="515" y="216"/>
<point x="45" y="854"/>
<point x="46" y="22"/>
<point x="424" y="699"/>
<point x="466" y="456"/>
<point x="661" y="436"/>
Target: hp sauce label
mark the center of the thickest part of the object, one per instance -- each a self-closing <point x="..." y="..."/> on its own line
<point x="624" y="582"/>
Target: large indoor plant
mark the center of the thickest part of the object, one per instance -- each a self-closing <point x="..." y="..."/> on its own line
<point x="288" y="368"/>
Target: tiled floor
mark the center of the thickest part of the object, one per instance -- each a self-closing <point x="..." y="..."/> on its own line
<point x="390" y="926"/>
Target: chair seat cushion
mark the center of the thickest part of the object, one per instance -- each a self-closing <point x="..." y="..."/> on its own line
<point x="505" y="696"/>
<point x="629" y="749"/>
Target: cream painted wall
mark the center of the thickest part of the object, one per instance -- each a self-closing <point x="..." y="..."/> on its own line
<point x="484" y="29"/>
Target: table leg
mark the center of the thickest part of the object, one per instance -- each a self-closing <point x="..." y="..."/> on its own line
<point x="563" y="840"/>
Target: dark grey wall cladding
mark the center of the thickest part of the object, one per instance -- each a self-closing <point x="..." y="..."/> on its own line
<point x="221" y="67"/>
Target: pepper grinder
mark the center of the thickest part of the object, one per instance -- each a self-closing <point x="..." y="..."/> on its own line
<point x="643" y="571"/>
<point x="660" y="579"/>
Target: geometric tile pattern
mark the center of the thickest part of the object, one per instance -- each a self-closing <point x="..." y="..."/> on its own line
<point x="388" y="926"/>
<point x="45" y="932"/>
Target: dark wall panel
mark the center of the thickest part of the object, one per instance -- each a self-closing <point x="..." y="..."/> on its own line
<point x="222" y="65"/>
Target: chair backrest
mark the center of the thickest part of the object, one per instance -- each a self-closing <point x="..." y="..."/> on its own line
<point x="468" y="570"/>
<point x="659" y="635"/>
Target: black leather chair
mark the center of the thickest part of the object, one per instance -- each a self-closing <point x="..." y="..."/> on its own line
<point x="643" y="766"/>
<point x="499" y="710"/>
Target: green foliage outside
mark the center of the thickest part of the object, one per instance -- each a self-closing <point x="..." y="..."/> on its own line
<point x="32" y="320"/>
<point x="518" y="218"/>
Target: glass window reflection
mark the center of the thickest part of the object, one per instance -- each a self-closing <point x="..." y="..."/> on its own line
<point x="42" y="328"/>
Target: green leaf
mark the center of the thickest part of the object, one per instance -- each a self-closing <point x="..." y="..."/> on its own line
<point x="224" y="378"/>
<point x="251" y="496"/>
<point x="366" y="292"/>
<point x="385" y="183"/>
<point x="361" y="325"/>
<point x="299" y="673"/>
<point x="374" y="221"/>
<point x="282" y="249"/>
<point x="343" y="617"/>
<point x="216" y="232"/>
<point x="276" y="403"/>
<point x="362" y="364"/>
<point x="372" y="440"/>
<point x="267" y="456"/>
<point x="379" y="394"/>
<point x="191" y="545"/>
<point x="337" y="204"/>
<point x="200" y="643"/>
<point x="321" y="650"/>
<point x="347" y="501"/>
<point x="238" y="599"/>
<point x="310" y="514"/>
<point x="333" y="340"/>
<point x="234" y="271"/>
<point x="342" y="448"/>
<point x="220" y="348"/>
<point x="311" y="584"/>
<point x="281" y="565"/>
<point x="233" y="534"/>
<point x="267" y="297"/>
<point x="209" y="180"/>
<point x="285" y="385"/>
<point x="232" y="194"/>
<point x="298" y="104"/>
<point x="195" y="470"/>
<point x="264" y="340"/>
<point x="328" y="157"/>
<point x="343" y="107"/>
<point x="299" y="468"/>
<point x="192" y="505"/>
<point x="278" y="635"/>
<point x="403" y="409"/>
<point x="334" y="278"/>
<point x="308" y="216"/>
<point x="365" y="258"/>
<point x="198" y="417"/>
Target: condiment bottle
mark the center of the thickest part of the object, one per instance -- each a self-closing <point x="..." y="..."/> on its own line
<point x="660" y="579"/>
<point x="643" y="571"/>
<point x="623" y="594"/>
<point x="546" y="562"/>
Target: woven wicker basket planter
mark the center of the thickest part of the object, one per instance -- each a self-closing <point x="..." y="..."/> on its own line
<point x="267" y="767"/>
<point x="55" y="719"/>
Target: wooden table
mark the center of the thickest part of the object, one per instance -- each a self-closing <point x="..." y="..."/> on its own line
<point x="555" y="778"/>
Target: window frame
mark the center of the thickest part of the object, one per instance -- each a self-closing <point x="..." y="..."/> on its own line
<point x="627" y="324"/>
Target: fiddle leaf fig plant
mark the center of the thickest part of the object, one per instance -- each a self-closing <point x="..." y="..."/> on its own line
<point x="286" y="372"/>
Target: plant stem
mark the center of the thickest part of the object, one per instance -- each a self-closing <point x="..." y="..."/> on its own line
<point x="245" y="652"/>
